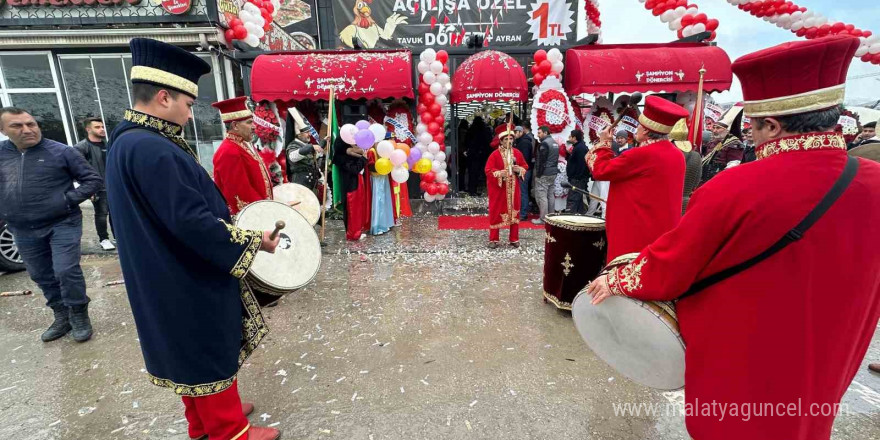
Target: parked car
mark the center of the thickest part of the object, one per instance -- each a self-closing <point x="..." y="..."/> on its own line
<point x="10" y="259"/>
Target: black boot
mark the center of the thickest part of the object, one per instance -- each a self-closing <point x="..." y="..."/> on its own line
<point x="82" y="326"/>
<point x="61" y="325"/>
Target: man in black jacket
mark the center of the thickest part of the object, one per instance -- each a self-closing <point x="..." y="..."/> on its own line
<point x="94" y="149"/>
<point x="577" y="172"/>
<point x="525" y="143"/>
<point x="41" y="208"/>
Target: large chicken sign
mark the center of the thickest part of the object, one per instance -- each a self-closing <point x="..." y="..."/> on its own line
<point x="364" y="28"/>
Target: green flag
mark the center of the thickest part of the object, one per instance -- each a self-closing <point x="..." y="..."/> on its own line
<point x="336" y="176"/>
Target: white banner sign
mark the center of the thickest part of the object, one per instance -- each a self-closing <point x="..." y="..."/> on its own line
<point x="597" y="124"/>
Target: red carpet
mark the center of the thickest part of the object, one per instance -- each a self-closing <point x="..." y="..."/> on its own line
<point x="474" y="222"/>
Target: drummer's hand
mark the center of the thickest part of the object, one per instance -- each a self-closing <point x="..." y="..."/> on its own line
<point x="293" y="203"/>
<point x="599" y="290"/>
<point x="269" y="244"/>
<point x="318" y="149"/>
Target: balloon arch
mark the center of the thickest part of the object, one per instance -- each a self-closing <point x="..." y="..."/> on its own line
<point x="686" y="20"/>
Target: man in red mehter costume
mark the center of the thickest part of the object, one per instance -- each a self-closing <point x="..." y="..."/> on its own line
<point x="793" y="328"/>
<point x="505" y="167"/>
<point x="647" y="182"/>
<point x="239" y="172"/>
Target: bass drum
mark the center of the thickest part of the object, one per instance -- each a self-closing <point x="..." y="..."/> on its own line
<point x="574" y="253"/>
<point x="639" y="339"/>
<point x="297" y="258"/>
<point x="309" y="206"/>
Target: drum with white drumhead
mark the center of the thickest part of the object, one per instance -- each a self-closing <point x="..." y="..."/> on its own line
<point x="297" y="258"/>
<point x="309" y="205"/>
<point x="639" y="339"/>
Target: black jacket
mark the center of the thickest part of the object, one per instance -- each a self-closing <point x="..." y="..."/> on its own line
<point x="526" y="146"/>
<point x="576" y="168"/>
<point x="36" y="187"/>
<point x="479" y="136"/>
<point x="94" y="154"/>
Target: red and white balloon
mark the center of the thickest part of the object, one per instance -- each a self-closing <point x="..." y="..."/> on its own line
<point x="682" y="17"/>
<point x="253" y="21"/>
<point x="434" y="88"/>
<point x="548" y="63"/>
<point x="808" y="24"/>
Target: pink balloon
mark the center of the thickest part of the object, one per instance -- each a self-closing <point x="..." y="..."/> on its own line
<point x="398" y="157"/>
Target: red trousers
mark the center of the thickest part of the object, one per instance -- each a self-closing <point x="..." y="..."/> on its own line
<point x="217" y="415"/>
<point x="495" y="234"/>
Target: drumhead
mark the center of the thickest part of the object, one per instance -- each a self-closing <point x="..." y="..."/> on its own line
<point x="632" y="339"/>
<point x="297" y="259"/>
<point x="309" y="207"/>
<point x="579" y="222"/>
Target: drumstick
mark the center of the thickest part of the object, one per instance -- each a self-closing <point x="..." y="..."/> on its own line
<point x="279" y="225"/>
<point x="294" y="203"/>
<point x="567" y="185"/>
<point x="16" y="293"/>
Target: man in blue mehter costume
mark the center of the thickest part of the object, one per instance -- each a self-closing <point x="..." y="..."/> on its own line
<point x="183" y="261"/>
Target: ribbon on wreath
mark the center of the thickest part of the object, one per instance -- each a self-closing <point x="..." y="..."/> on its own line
<point x="399" y="126"/>
<point x="557" y="112"/>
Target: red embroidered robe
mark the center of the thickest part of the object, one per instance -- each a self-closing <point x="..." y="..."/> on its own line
<point x="794" y="328"/>
<point x="504" y="193"/>
<point x="240" y="174"/>
<point x="644" y="199"/>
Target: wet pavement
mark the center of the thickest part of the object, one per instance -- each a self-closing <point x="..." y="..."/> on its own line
<point x="417" y="334"/>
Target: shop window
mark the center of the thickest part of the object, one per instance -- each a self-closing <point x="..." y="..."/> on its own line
<point x="44" y="108"/>
<point x="112" y="89"/>
<point x="28" y="81"/>
<point x="80" y="85"/>
<point x="27" y="71"/>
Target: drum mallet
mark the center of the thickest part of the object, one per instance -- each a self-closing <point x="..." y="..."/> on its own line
<point x="279" y="225"/>
<point x="567" y="185"/>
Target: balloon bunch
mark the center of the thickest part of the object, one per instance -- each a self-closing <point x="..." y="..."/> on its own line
<point x="430" y="151"/>
<point x="547" y="64"/>
<point x="392" y="156"/>
<point x="594" y="22"/>
<point x="809" y="24"/>
<point x="682" y="17"/>
<point x="254" y="20"/>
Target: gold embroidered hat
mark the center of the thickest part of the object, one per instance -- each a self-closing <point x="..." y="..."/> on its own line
<point x="661" y="115"/>
<point x="234" y="109"/>
<point x="161" y="64"/>
<point x="796" y="77"/>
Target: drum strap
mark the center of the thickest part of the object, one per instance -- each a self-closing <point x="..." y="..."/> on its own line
<point x="849" y="173"/>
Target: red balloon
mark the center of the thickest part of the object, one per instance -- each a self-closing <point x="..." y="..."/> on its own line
<point x="440" y="139"/>
<point x="429" y="177"/>
<point x="801" y="32"/>
<point x="229" y="35"/>
<point x="540" y="55"/>
<point x="539" y="78"/>
<point x="444" y="188"/>
<point x="423" y="185"/>
<point x="421" y="108"/>
<point x="446" y="68"/>
<point x="427" y="118"/>
<point x="701" y="18"/>
<point x="442" y="56"/>
<point x="650" y="4"/>
<point x="681" y="3"/>
<point x="681" y="33"/>
<point x="687" y="20"/>
<point x="434" y="128"/>
<point x="433" y="189"/>
<point x="240" y="32"/>
<point x="545" y="67"/>
<point x="811" y="33"/>
<point x="424" y="89"/>
<point x="442" y="146"/>
<point x="268" y="25"/>
<point x="427" y="98"/>
<point x="712" y="24"/>
<point x="658" y="10"/>
<point x="235" y="22"/>
<point x="712" y="38"/>
<point x="269" y="7"/>
<point x="867" y="34"/>
<point x="434" y="109"/>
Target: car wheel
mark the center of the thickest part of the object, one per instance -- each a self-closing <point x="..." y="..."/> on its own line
<point x="10" y="259"/>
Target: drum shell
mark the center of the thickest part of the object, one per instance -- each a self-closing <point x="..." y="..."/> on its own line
<point x="573" y="255"/>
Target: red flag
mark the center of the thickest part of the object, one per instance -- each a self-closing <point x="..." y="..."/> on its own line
<point x="433" y="22"/>
<point x="695" y="126"/>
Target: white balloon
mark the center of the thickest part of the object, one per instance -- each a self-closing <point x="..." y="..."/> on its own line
<point x="692" y="11"/>
<point x="437" y="67"/>
<point x="244" y="15"/>
<point x="428" y="155"/>
<point x="436" y="88"/>
<point x="440" y="156"/>
<point x="443" y="78"/>
<point x="448" y="87"/>
<point x="873" y="39"/>
<point x="437" y="166"/>
<point x="810" y="22"/>
<point x="687" y="31"/>
<point x="252" y="40"/>
<point x="429" y="198"/>
<point x="667" y="16"/>
<point x="554" y="55"/>
<point x="797" y="15"/>
<point x="797" y="25"/>
<point x="442" y="165"/>
<point x="429" y="77"/>
<point x="699" y="28"/>
<point x="385" y="148"/>
<point x="439" y="197"/>
<point x="874" y="49"/>
<point x="260" y="33"/>
<point x="423" y="67"/>
<point x="862" y="51"/>
<point x="433" y="148"/>
<point x="428" y="56"/>
<point x="441" y="100"/>
<point x="425" y="138"/>
<point x="423" y="148"/>
<point x="251" y="28"/>
<point x="442" y="176"/>
<point x="680" y="11"/>
<point x="378" y="131"/>
<point x="250" y="7"/>
<point x="558" y="66"/>
<point x="421" y="128"/>
<point x="808" y="14"/>
<point x="675" y="25"/>
<point x="399" y="174"/>
<point x="821" y="19"/>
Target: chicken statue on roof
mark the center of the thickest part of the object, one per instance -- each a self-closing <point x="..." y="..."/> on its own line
<point x="364" y="32"/>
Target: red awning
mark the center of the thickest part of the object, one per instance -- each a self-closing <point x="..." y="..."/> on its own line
<point x="355" y="74"/>
<point x="489" y="76"/>
<point x="645" y="68"/>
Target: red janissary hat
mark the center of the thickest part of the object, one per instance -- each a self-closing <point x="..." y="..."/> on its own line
<point x="234" y="109"/>
<point x="661" y="115"/>
<point x="501" y="131"/>
<point x="796" y="77"/>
